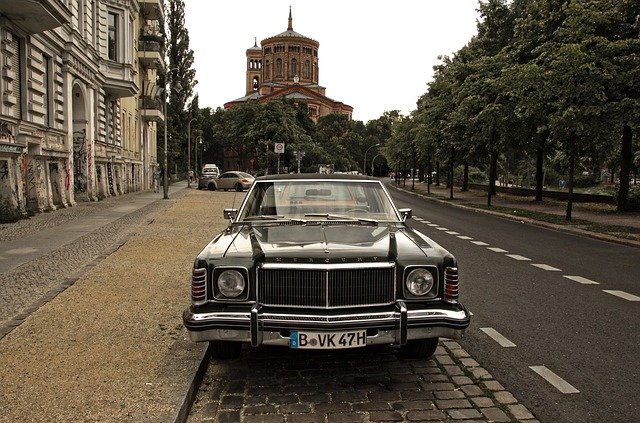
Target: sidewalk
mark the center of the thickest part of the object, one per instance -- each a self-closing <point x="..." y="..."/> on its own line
<point x="599" y="221"/>
<point x="111" y="346"/>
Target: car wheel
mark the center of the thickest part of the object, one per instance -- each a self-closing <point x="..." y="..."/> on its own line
<point x="225" y="349"/>
<point x="239" y="187"/>
<point x="420" y="348"/>
<point x="211" y="187"/>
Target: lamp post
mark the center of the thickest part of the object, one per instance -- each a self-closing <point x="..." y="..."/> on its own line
<point x="165" y="182"/>
<point x="197" y="148"/>
<point x="373" y="160"/>
<point x="364" y="165"/>
<point x="189" y="152"/>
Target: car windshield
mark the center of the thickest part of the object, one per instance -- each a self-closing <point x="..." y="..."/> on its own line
<point x="319" y="200"/>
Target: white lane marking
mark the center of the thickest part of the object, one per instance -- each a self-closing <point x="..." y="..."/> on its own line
<point x="425" y="221"/>
<point x="581" y="280"/>
<point x="622" y="294"/>
<point x="497" y="250"/>
<point x="433" y="225"/>
<point x="464" y="237"/>
<point x="479" y="243"/>
<point x="559" y="383"/>
<point x="442" y="229"/>
<point x="546" y="267"/>
<point x="496" y="336"/>
<point x="453" y="233"/>
<point x="418" y="219"/>
<point x="518" y="257"/>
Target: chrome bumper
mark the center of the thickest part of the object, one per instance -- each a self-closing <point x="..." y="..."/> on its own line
<point x="261" y="327"/>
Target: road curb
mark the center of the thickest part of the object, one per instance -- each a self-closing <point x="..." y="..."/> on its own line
<point x="194" y="386"/>
<point x="560" y="228"/>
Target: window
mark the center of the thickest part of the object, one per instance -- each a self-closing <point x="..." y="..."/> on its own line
<point x="307" y="69"/>
<point x="112" y="36"/>
<point x="48" y="89"/>
<point x="294" y="67"/>
<point x="278" y="67"/>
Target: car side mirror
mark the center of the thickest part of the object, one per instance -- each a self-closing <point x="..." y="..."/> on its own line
<point x="405" y="213"/>
<point x="230" y="214"/>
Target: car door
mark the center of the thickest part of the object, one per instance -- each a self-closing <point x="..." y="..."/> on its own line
<point x="225" y="181"/>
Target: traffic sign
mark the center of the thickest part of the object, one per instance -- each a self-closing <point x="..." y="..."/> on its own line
<point x="279" y="147"/>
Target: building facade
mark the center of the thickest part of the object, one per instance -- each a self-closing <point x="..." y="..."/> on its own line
<point x="79" y="102"/>
<point x="287" y="65"/>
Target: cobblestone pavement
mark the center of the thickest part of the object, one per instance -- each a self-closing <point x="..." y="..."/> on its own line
<point x="25" y="288"/>
<point x="270" y="384"/>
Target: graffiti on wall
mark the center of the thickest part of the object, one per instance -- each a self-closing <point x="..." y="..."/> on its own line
<point x="6" y="132"/>
<point x="79" y="162"/>
<point x="110" y="179"/>
<point x="4" y="171"/>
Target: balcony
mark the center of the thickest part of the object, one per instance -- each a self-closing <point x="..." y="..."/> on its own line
<point x="151" y="47"/>
<point x="151" y="109"/>
<point x="151" y="9"/>
<point x="36" y="15"/>
<point x="119" y="78"/>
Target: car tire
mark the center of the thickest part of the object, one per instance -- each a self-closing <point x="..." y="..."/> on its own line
<point x="239" y="187"/>
<point x="420" y="348"/>
<point x="224" y="350"/>
<point x="211" y="187"/>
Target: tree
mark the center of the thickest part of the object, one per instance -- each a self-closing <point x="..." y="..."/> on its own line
<point x="181" y="78"/>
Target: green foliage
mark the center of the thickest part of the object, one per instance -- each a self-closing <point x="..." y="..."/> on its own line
<point x="633" y="201"/>
<point x="8" y="213"/>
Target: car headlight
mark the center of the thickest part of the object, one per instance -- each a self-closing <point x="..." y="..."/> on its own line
<point x="419" y="281"/>
<point x="231" y="283"/>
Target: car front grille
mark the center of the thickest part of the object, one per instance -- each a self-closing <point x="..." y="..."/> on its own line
<point x="330" y="286"/>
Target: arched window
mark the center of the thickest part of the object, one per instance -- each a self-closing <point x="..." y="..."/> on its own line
<point x="256" y="83"/>
<point x="278" y="67"/>
<point x="307" y="69"/>
<point x="294" y="67"/>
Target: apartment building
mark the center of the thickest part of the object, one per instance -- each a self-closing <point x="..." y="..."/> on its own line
<point x="79" y="103"/>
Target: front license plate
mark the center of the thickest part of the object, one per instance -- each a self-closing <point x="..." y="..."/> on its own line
<point x="327" y="340"/>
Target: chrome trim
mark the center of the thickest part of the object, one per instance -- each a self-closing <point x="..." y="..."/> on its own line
<point x="324" y="266"/>
<point x="403" y="329"/>
<point x="249" y="326"/>
<point x="206" y="278"/>
<point x="247" y="282"/>
<point x="433" y="293"/>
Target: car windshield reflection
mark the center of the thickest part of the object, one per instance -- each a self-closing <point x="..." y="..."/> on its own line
<point x="365" y="201"/>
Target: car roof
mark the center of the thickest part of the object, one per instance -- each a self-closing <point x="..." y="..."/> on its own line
<point x="316" y="176"/>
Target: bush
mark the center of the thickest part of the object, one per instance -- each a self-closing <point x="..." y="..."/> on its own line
<point x="584" y="181"/>
<point x="8" y="213"/>
<point x="634" y="199"/>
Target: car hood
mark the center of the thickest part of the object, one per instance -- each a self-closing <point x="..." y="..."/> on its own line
<point x="320" y="243"/>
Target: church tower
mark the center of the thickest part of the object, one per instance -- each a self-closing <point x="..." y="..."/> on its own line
<point x="254" y="68"/>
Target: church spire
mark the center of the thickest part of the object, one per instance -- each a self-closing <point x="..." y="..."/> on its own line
<point x="290" y="28"/>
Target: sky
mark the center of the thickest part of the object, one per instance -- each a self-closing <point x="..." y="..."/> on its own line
<point x="374" y="55"/>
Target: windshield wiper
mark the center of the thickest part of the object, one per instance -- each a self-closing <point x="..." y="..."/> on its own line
<point x="273" y="217"/>
<point x="330" y="216"/>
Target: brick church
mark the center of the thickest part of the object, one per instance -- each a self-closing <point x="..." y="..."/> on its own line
<point x="286" y="65"/>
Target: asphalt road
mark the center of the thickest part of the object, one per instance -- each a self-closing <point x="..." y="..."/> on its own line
<point x="543" y="322"/>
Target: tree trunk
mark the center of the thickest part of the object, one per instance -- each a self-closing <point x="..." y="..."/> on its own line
<point x="465" y="177"/>
<point x="437" y="173"/>
<point x="539" y="172"/>
<point x="451" y="172"/>
<point x="572" y="167"/>
<point x="493" y="171"/>
<point x="429" y="175"/>
<point x="413" y="173"/>
<point x="626" y="156"/>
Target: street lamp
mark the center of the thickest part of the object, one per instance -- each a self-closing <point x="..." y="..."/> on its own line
<point x="165" y="183"/>
<point x="197" y="148"/>
<point x="189" y="152"/>
<point x="364" y="165"/>
<point x="373" y="160"/>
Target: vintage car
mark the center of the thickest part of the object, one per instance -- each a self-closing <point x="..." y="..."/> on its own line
<point x="314" y="261"/>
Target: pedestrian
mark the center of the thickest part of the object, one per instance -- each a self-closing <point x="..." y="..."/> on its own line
<point x="190" y="175"/>
<point x="157" y="175"/>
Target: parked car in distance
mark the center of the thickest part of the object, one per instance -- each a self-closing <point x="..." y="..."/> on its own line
<point x="313" y="261"/>
<point x="234" y="180"/>
<point x="210" y="169"/>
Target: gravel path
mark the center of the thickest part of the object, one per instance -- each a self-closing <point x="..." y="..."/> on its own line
<point x="111" y="347"/>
